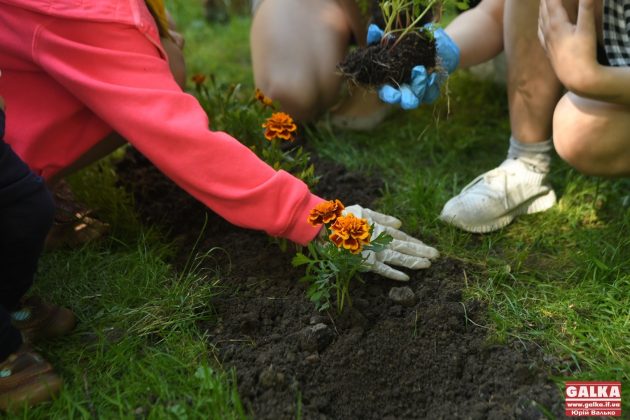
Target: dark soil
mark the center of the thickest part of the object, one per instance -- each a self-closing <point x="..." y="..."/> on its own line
<point x="425" y="358"/>
<point x="389" y="62"/>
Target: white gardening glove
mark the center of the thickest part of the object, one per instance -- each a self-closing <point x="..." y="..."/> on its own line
<point x="404" y="251"/>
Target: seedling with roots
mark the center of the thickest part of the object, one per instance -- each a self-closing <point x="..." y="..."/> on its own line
<point x="402" y="16"/>
<point x="406" y="43"/>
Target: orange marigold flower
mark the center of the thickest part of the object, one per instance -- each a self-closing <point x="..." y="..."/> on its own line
<point x="199" y="78"/>
<point x="267" y="102"/>
<point x="351" y="233"/>
<point x="325" y="212"/>
<point x="279" y="126"/>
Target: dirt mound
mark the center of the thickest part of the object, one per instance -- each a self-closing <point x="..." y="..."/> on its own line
<point x="405" y="353"/>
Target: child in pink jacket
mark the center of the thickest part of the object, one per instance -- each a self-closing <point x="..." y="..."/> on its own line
<point x="78" y="73"/>
<point x="74" y="72"/>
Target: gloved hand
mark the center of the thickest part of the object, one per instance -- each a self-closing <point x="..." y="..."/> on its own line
<point x="404" y="251"/>
<point x="424" y="87"/>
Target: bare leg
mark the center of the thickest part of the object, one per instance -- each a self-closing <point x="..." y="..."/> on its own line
<point x="533" y="89"/>
<point x="296" y="46"/>
<point x="518" y="186"/>
<point x="593" y="136"/>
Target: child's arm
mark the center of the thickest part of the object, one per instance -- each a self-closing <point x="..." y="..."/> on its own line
<point x="478" y="32"/>
<point x="121" y="77"/>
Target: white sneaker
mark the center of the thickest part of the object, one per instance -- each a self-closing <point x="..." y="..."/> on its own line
<point x="493" y="199"/>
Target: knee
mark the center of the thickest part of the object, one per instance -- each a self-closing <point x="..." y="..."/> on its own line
<point x="572" y="148"/>
<point x="573" y="139"/>
<point x="297" y="96"/>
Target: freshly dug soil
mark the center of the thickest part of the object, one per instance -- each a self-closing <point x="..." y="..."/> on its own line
<point x="417" y="353"/>
<point x="388" y="62"/>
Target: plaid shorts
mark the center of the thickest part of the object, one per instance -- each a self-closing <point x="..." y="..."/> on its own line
<point x="616" y="27"/>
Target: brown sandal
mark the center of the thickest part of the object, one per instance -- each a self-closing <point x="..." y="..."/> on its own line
<point x="73" y="225"/>
<point x="26" y="379"/>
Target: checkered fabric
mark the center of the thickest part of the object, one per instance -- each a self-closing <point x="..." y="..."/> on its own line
<point x="616" y="23"/>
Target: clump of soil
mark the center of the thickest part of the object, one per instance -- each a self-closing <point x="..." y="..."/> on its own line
<point x="390" y="61"/>
<point x="417" y="353"/>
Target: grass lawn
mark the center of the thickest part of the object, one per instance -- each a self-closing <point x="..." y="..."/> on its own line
<point x="561" y="278"/>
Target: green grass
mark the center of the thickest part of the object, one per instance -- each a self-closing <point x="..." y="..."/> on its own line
<point x="561" y="278"/>
<point x="137" y="351"/>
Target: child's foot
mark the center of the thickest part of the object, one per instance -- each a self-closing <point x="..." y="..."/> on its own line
<point x="26" y="379"/>
<point x="495" y="198"/>
<point x="38" y="320"/>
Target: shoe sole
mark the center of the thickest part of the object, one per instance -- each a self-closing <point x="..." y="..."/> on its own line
<point x="534" y="205"/>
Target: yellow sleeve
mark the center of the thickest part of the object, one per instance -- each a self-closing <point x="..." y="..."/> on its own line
<point x="159" y="14"/>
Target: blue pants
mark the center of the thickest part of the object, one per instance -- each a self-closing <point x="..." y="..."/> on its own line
<point x="26" y="215"/>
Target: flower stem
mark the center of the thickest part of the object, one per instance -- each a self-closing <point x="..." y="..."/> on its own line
<point x="414" y="23"/>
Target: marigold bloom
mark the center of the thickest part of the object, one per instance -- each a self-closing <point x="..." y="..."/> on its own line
<point x="325" y="212"/>
<point x="351" y="233"/>
<point x="279" y="126"/>
<point x="260" y="97"/>
<point x="199" y="78"/>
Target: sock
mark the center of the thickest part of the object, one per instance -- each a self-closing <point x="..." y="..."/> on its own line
<point x="536" y="155"/>
<point x="21" y="315"/>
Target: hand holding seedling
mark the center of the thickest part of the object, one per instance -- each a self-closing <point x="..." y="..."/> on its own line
<point x="403" y="251"/>
<point x="355" y="240"/>
<point x="572" y="49"/>
<point x="424" y="87"/>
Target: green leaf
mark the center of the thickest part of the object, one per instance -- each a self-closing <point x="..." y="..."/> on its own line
<point x="300" y="259"/>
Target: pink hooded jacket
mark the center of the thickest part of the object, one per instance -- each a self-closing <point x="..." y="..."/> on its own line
<point x="75" y="70"/>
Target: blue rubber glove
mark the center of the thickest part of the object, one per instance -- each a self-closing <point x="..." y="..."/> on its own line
<point x="424" y="87"/>
<point x="374" y="34"/>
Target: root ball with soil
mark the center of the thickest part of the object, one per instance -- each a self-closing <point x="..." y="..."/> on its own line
<point x="391" y="60"/>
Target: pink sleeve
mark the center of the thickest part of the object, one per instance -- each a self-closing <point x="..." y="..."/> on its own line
<point x="116" y="72"/>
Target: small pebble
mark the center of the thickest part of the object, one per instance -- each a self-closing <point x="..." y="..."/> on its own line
<point x="316" y="338"/>
<point x="402" y="296"/>
<point x="312" y="359"/>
